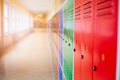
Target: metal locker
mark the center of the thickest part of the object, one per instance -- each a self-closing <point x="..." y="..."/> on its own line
<point x="87" y="40"/>
<point x="60" y="55"/>
<point x="68" y="39"/>
<point x="56" y="30"/>
<point x="105" y="39"/>
<point x="77" y="40"/>
<point x="60" y="73"/>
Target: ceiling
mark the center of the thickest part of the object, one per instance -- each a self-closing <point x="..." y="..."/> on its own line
<point x="38" y="6"/>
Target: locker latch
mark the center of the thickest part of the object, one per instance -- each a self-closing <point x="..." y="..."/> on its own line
<point x="69" y="44"/>
<point x="65" y="41"/>
<point x="94" y="68"/>
<point x="74" y="49"/>
<point x="82" y="56"/>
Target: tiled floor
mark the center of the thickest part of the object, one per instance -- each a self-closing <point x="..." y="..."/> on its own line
<point x="30" y="59"/>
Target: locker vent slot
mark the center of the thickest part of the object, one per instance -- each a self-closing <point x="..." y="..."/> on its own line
<point x="77" y="13"/>
<point x="69" y="15"/>
<point x="87" y="9"/>
<point x="104" y="8"/>
<point x="88" y="2"/>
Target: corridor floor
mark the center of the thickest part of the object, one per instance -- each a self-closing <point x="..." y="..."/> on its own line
<point x="30" y="59"/>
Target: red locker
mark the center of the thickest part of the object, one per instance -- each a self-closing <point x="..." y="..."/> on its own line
<point x="95" y="39"/>
<point x="87" y="40"/>
<point x="56" y="29"/>
<point x="105" y="39"/>
<point x="77" y="40"/>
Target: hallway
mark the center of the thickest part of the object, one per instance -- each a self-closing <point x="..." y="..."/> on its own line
<point x="59" y="39"/>
<point x="30" y="59"/>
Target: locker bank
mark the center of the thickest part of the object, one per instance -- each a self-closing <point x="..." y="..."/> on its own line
<point x="59" y="40"/>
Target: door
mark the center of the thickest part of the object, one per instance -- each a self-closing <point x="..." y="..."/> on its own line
<point x="87" y="40"/>
<point x="105" y="39"/>
<point x="68" y="39"/>
<point x="77" y="40"/>
<point x="60" y="55"/>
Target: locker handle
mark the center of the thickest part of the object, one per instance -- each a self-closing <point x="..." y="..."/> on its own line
<point x="82" y="56"/>
<point x="74" y="49"/>
<point x="94" y="68"/>
<point x="65" y="41"/>
<point x="69" y="44"/>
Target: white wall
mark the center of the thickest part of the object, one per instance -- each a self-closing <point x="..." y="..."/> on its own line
<point x="118" y="55"/>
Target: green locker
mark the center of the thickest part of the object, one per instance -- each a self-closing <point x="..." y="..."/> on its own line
<point x="68" y="46"/>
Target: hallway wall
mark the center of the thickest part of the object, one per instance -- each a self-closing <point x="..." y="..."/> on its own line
<point x="1" y="24"/>
<point x="57" y="4"/>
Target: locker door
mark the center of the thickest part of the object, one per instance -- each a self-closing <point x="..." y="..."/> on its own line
<point x="77" y="40"/>
<point x="60" y="65"/>
<point x="60" y="56"/>
<point x="60" y="73"/>
<point x="105" y="39"/>
<point x="87" y="40"/>
<point x="68" y="39"/>
<point x="56" y="37"/>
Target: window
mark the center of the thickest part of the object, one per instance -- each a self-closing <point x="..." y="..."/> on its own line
<point x="31" y="21"/>
<point x="15" y="19"/>
<point x="6" y="18"/>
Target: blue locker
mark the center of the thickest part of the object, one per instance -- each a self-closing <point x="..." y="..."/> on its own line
<point x="60" y="75"/>
<point x="60" y="55"/>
